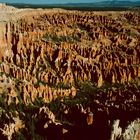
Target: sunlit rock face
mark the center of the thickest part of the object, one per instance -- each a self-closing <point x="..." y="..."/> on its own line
<point x="46" y="52"/>
<point x="91" y="57"/>
<point x="131" y="132"/>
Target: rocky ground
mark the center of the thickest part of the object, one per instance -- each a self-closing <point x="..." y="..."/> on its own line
<point x="68" y="61"/>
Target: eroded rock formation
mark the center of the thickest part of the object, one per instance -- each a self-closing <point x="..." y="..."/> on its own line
<point x="47" y="52"/>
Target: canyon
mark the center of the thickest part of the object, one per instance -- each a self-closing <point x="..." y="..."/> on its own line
<point x="50" y="53"/>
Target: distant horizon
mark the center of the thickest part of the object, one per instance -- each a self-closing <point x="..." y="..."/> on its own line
<point x="58" y="1"/>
